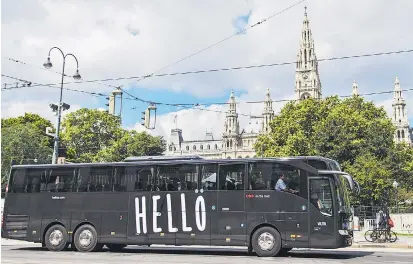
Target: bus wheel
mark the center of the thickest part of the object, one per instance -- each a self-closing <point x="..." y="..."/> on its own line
<point x="86" y="238"/>
<point x="115" y="247"/>
<point x="266" y="242"/>
<point x="56" y="238"/>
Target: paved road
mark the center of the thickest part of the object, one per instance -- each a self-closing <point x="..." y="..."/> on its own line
<point x="33" y="254"/>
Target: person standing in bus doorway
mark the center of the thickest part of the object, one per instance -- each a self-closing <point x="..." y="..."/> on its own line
<point x="281" y="186"/>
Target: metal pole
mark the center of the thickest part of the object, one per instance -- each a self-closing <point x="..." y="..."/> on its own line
<point x="59" y="116"/>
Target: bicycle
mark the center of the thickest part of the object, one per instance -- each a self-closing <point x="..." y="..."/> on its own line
<point x="380" y="235"/>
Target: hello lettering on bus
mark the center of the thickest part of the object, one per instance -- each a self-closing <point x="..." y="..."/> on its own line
<point x="140" y="214"/>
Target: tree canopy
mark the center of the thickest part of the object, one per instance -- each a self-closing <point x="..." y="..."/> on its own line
<point x="354" y="132"/>
<point x="91" y="135"/>
<point x="22" y="143"/>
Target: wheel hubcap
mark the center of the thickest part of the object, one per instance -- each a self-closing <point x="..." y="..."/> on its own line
<point x="85" y="238"/>
<point x="56" y="237"/>
<point x="266" y="241"/>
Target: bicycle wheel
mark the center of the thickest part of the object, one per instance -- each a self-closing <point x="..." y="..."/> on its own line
<point x="391" y="236"/>
<point x="370" y="235"/>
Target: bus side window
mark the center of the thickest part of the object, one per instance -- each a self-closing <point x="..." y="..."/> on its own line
<point x="83" y="179"/>
<point x="37" y="180"/>
<point x="18" y="181"/>
<point x="143" y="179"/>
<point x="61" y="180"/>
<point x="231" y="177"/>
<point x="209" y="177"/>
<point x="100" y="179"/>
<point x="321" y="196"/>
<point x="119" y="183"/>
<point x="179" y="177"/>
<point x="259" y="176"/>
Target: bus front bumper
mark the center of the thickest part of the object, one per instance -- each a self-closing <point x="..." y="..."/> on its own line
<point x="346" y="238"/>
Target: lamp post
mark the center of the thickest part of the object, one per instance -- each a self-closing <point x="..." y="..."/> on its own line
<point x="48" y="64"/>
<point x="395" y="185"/>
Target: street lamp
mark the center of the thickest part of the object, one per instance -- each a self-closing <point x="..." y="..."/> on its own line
<point x="395" y="185"/>
<point x="61" y="106"/>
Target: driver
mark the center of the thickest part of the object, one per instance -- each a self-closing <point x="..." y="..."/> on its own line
<point x="282" y="187"/>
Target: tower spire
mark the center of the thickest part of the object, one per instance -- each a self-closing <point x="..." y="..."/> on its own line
<point x="231" y="129"/>
<point x="307" y="79"/>
<point x="399" y="117"/>
<point x="268" y="113"/>
<point x="355" y="89"/>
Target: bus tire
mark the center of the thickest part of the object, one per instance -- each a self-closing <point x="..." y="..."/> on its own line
<point x="86" y="238"/>
<point x="116" y="247"/>
<point x="266" y="242"/>
<point x="56" y="238"/>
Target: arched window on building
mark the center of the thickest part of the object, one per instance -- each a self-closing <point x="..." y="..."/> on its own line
<point x="170" y="147"/>
<point x="402" y="134"/>
<point x="208" y="147"/>
<point x="202" y="147"/>
<point x="187" y="147"/>
<point x="398" y="134"/>
<point x="216" y="146"/>
<point x="194" y="147"/>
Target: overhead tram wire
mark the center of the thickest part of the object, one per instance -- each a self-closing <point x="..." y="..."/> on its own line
<point x="236" y="68"/>
<point x="186" y="105"/>
<point x="48" y="70"/>
<point x="44" y="85"/>
<point x="207" y="48"/>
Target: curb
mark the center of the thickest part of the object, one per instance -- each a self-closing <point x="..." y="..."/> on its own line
<point x="382" y="246"/>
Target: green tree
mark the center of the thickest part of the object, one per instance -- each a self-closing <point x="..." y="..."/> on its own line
<point x="132" y="143"/>
<point x="37" y="121"/>
<point x="22" y="143"/>
<point x="375" y="179"/>
<point x="354" y="132"/>
<point x="88" y="131"/>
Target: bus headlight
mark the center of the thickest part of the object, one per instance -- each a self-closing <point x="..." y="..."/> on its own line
<point x="343" y="232"/>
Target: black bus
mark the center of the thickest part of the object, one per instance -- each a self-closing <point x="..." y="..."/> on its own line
<point x="170" y="201"/>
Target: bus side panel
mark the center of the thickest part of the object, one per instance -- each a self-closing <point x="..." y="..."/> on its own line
<point x="196" y="236"/>
<point x="139" y="200"/>
<point x="113" y="207"/>
<point x="287" y="212"/>
<point x="115" y="215"/>
<point x="16" y="216"/>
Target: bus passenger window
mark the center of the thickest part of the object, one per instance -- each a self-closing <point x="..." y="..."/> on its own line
<point x="18" y="181"/>
<point x="36" y="179"/>
<point x="231" y="177"/>
<point x="177" y="177"/>
<point x="143" y="179"/>
<point x="259" y="176"/>
<point x="100" y="179"/>
<point x="292" y="177"/>
<point x="209" y="177"/>
<point x="321" y="196"/>
<point x="60" y="180"/>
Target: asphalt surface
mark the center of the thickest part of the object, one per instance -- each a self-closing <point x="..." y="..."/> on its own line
<point x="32" y="253"/>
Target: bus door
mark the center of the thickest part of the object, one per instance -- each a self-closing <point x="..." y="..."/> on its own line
<point x="323" y="229"/>
<point x="229" y="225"/>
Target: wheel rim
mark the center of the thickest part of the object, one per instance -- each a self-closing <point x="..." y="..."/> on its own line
<point x="85" y="238"/>
<point x="266" y="241"/>
<point x="56" y="237"/>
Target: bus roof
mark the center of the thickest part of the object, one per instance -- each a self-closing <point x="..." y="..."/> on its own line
<point x="160" y="158"/>
<point x="288" y="161"/>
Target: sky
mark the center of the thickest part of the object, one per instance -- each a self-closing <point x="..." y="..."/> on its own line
<point x="129" y="38"/>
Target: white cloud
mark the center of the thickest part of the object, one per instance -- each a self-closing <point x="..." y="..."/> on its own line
<point x="133" y="38"/>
